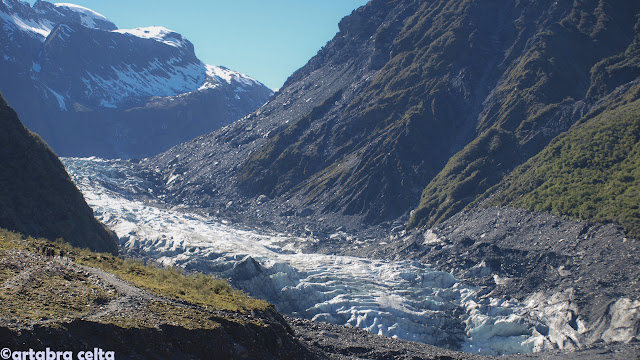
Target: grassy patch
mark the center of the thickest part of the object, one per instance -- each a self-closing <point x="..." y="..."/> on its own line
<point x="37" y="288"/>
<point x="173" y="283"/>
<point x="57" y="297"/>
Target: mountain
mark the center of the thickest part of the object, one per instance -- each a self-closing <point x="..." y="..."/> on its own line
<point x="576" y="63"/>
<point x="495" y="141"/>
<point x="121" y="93"/>
<point x="37" y="197"/>
<point x="412" y="105"/>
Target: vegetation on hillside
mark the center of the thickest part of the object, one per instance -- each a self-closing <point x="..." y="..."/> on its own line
<point x="592" y="172"/>
<point x="573" y="63"/>
<point x="38" y="288"/>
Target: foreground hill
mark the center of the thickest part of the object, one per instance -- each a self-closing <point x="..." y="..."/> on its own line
<point x="37" y="197"/>
<point x="75" y="305"/>
<point x="89" y="88"/>
<point x="89" y="300"/>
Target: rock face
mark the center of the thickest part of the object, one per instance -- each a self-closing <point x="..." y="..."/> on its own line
<point x="440" y="98"/>
<point x="37" y="197"/>
<point x="91" y="89"/>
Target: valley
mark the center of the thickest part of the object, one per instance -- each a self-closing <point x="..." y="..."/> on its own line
<point x="404" y="298"/>
<point x="443" y="179"/>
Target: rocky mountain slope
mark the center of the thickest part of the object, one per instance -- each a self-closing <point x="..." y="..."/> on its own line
<point x="571" y="72"/>
<point x="436" y="100"/>
<point x="448" y="118"/>
<point x="90" y="89"/>
<point x="37" y="197"/>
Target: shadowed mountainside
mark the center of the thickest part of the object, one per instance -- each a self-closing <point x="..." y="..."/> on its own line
<point x="37" y="197"/>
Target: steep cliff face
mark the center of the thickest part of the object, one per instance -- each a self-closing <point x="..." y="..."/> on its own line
<point x="37" y="197"/>
<point x="91" y="89"/>
<point x="439" y="98"/>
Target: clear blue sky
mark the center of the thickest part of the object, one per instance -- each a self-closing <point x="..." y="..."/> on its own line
<point x="265" y="39"/>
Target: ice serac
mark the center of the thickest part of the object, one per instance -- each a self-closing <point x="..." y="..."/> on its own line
<point x="120" y="92"/>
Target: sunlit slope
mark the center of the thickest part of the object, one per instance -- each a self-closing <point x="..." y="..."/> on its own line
<point x="590" y="173"/>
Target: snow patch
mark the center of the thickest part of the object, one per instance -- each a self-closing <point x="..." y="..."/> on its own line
<point x="38" y="29"/>
<point x="61" y="102"/>
<point x="431" y="238"/>
<point x="222" y="74"/>
<point x="157" y="33"/>
<point x="173" y="178"/>
<point x="156" y="78"/>
<point x="104" y="103"/>
<point x="87" y="16"/>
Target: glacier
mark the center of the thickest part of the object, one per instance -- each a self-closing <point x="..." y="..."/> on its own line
<point x="401" y="299"/>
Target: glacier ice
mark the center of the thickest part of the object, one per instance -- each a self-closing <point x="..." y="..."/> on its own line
<point x="402" y="299"/>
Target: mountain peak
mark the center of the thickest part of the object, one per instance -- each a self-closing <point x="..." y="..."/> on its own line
<point x="159" y="34"/>
<point x="38" y="21"/>
<point x="88" y="17"/>
<point x="134" y="92"/>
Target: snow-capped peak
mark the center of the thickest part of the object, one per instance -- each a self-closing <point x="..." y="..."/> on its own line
<point x="157" y="33"/>
<point x="221" y="73"/>
<point x="87" y="16"/>
<point x="38" y="21"/>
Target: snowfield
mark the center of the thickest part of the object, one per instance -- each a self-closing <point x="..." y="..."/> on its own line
<point x="402" y="299"/>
